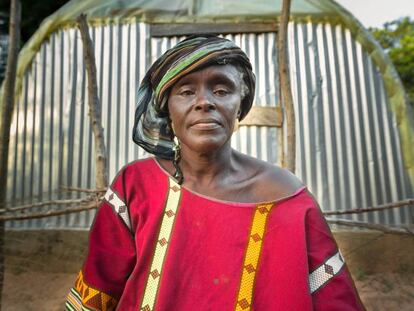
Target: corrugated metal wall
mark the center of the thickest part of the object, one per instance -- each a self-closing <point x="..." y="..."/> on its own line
<point x="348" y="150"/>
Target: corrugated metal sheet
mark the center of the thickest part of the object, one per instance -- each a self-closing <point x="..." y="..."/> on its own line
<point x="348" y="148"/>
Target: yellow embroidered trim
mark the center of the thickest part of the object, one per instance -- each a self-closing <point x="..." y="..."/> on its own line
<point x="151" y="288"/>
<point x="254" y="246"/>
<point x="85" y="296"/>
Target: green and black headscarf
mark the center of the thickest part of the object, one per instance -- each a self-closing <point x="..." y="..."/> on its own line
<point x="152" y="127"/>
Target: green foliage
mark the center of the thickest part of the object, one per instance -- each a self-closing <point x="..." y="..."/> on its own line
<point x="397" y="39"/>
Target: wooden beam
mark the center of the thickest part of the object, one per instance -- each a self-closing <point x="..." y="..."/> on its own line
<point x="263" y="116"/>
<point x="168" y="30"/>
<point x="6" y="112"/>
<point x="285" y="88"/>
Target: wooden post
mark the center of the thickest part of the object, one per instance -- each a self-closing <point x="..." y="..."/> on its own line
<point x="94" y="106"/>
<point x="6" y="112"/>
<point x="285" y="90"/>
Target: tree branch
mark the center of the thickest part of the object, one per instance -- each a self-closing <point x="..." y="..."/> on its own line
<point x="360" y="224"/>
<point x="373" y="209"/>
<point x="89" y="206"/>
<point x="94" y="105"/>
<point x="47" y="203"/>
<point x="285" y="89"/>
<point x="83" y="190"/>
<point x="6" y="112"/>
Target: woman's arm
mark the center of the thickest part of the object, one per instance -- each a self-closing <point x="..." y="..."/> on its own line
<point x="330" y="282"/>
<point x="111" y="255"/>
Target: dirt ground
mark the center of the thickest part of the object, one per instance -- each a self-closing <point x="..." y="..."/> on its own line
<point x="42" y="266"/>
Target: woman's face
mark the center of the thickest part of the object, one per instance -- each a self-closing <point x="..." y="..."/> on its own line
<point x="203" y="107"/>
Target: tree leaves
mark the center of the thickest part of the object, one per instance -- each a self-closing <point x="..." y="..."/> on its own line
<point x="397" y="39"/>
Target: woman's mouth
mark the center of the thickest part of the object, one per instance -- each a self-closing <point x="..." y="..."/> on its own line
<point x="205" y="124"/>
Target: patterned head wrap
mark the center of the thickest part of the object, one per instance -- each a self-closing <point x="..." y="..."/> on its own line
<point x="152" y="126"/>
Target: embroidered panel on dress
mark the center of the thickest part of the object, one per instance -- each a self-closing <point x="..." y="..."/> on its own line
<point x="325" y="272"/>
<point x="119" y="206"/>
<point x="167" y="224"/>
<point x="251" y="260"/>
<point x="83" y="298"/>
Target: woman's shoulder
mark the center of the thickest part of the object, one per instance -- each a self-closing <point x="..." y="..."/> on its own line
<point x="138" y="165"/>
<point x="140" y="169"/>
<point x="272" y="181"/>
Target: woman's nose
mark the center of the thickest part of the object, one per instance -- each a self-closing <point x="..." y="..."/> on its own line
<point x="205" y="101"/>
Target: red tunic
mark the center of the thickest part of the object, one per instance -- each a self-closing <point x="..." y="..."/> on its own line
<point x="208" y="254"/>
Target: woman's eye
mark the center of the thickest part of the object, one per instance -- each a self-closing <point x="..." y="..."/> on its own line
<point x="221" y="92"/>
<point x="186" y="93"/>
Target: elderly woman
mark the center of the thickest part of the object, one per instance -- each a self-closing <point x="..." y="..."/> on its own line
<point x="201" y="226"/>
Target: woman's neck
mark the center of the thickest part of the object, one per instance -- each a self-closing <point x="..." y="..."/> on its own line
<point x="205" y="168"/>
